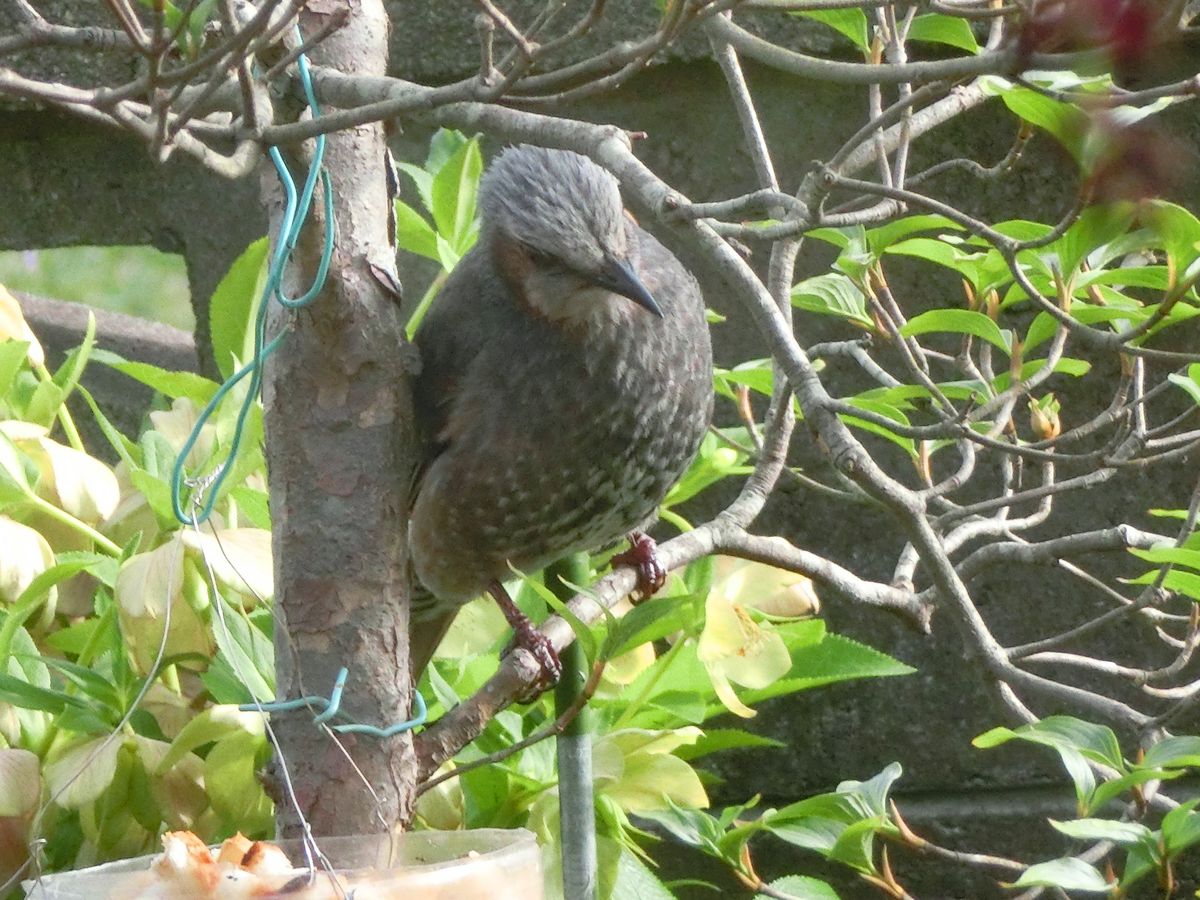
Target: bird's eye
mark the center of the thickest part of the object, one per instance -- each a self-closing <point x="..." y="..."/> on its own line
<point x="539" y="257"/>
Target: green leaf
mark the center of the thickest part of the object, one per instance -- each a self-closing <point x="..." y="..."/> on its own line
<point x="1095" y="742"/>
<point x="636" y="881"/>
<point x="232" y="307"/>
<point x="247" y="651"/>
<point x="92" y="684"/>
<point x="1065" y="122"/>
<point x="231" y="779"/>
<point x="939" y="29"/>
<point x="442" y="146"/>
<point x="583" y="634"/>
<point x="453" y="194"/>
<point x="423" y="181"/>
<point x="1173" y="752"/>
<point x="840" y="825"/>
<point x="798" y="887"/>
<point x="15" y="469"/>
<point x="1181" y="827"/>
<point x="717" y="739"/>
<point x="855" y="846"/>
<point x="68" y="374"/>
<point x="881" y="238"/>
<point x="687" y="707"/>
<point x="30" y="696"/>
<point x="1190" y="384"/>
<point x="850" y="23"/>
<point x="1175" y="556"/>
<point x="12" y="358"/>
<point x="979" y="268"/>
<point x="156" y="491"/>
<point x="833" y="295"/>
<point x="886" y="410"/>
<point x="124" y="448"/>
<point x="1095" y="227"/>
<point x="254" y="505"/>
<point x="45" y="403"/>
<point x="834" y="658"/>
<point x="1123" y="833"/>
<point x="958" y="321"/>
<point x="33" y="595"/>
<point x="172" y="384"/>
<point x="1115" y="787"/>
<point x="74" y="638"/>
<point x="1184" y="583"/>
<point x="1178" y="229"/>
<point x="212" y="724"/>
<point x="648" y="621"/>
<point x="1069" y="874"/>
<point x="413" y="233"/>
<point x="84" y="772"/>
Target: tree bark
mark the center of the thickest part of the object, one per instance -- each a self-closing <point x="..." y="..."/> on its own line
<point x="339" y="446"/>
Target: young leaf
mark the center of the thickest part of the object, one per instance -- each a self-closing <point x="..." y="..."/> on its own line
<point x="83" y="773"/>
<point x="798" y="887"/>
<point x="1095" y="742"/>
<point x="881" y="238"/>
<point x="850" y="23"/>
<point x="231" y="309"/>
<point x="1065" y="122"/>
<point x="717" y="739"/>
<point x="1068" y="873"/>
<point x="636" y="881"/>
<point x="939" y="29"/>
<point x="172" y="384"/>
<point x="1172" y="752"/>
<point x="833" y="295"/>
<point x="12" y="358"/>
<point x="413" y="233"/>
<point x="1190" y="383"/>
<point x="1104" y="830"/>
<point x="960" y="321"/>
<point x="453" y="195"/>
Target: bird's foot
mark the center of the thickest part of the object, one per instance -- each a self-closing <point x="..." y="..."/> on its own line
<point x="527" y="637"/>
<point x="643" y="556"/>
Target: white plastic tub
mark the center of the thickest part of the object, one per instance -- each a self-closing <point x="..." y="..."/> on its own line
<point x="489" y="863"/>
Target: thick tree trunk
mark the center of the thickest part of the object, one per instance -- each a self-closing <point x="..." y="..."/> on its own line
<point x="339" y="446"/>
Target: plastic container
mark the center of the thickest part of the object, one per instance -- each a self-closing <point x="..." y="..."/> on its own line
<point x="492" y="863"/>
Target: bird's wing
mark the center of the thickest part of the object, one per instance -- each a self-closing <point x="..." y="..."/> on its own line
<point x="451" y="339"/>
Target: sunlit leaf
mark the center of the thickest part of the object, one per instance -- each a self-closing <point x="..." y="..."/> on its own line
<point x="84" y="772"/>
<point x="231" y="309"/>
<point x="940" y="29"/>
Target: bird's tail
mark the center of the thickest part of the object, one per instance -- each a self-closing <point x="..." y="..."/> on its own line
<point x="429" y="620"/>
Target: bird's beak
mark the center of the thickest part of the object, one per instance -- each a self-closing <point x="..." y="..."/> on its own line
<point x="618" y="276"/>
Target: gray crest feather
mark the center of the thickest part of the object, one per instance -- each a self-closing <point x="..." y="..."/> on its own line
<point x="555" y="201"/>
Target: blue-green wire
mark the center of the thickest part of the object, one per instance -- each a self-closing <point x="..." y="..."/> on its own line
<point x="295" y="214"/>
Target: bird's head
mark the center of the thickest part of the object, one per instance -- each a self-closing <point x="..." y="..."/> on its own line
<point x="559" y="233"/>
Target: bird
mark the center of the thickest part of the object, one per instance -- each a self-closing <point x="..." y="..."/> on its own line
<point x="565" y="386"/>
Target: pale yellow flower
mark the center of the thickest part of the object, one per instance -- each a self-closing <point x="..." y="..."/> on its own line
<point x="14" y="327"/>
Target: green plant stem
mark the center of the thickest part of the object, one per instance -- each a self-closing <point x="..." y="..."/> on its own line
<point x="63" y="414"/>
<point x="639" y="701"/>
<point x="675" y="519"/>
<point x="75" y="524"/>
<point x="577" y="813"/>
<point x="88" y="652"/>
<point x="414" y="321"/>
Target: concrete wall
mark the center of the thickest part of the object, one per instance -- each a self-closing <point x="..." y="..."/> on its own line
<point x="67" y="183"/>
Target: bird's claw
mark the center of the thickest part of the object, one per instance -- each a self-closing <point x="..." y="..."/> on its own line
<point x="643" y="556"/>
<point x="542" y="650"/>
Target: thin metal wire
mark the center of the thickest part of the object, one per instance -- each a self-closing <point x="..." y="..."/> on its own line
<point x="295" y="213"/>
<point x="312" y="852"/>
